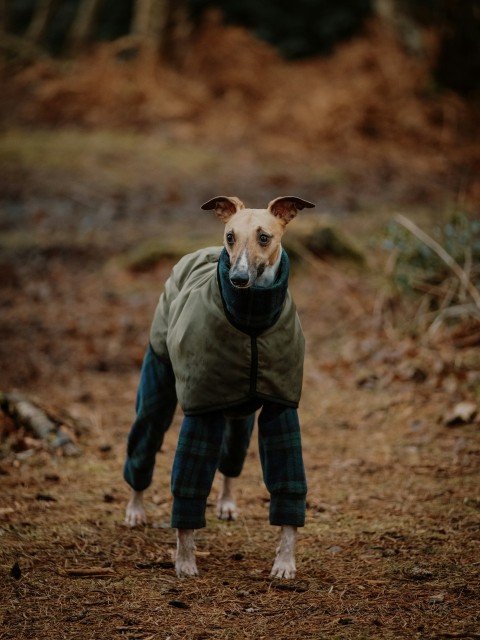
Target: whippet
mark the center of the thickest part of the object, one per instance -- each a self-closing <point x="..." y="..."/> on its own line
<point x="253" y="259"/>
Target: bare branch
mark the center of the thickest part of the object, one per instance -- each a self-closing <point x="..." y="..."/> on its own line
<point x="29" y="415"/>
<point x="459" y="311"/>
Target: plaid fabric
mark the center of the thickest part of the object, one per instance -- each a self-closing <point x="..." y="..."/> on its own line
<point x="209" y="442"/>
<point x="280" y="446"/>
<point x="236" y="439"/>
<point x="156" y="403"/>
<point x="155" y="407"/>
<point x="197" y="459"/>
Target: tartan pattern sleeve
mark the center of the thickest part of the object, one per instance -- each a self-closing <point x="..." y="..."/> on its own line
<point x="155" y="407"/>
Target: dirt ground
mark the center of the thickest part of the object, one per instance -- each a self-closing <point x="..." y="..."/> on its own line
<point x="391" y="546"/>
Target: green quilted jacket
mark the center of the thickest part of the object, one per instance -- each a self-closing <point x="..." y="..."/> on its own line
<point x="217" y="365"/>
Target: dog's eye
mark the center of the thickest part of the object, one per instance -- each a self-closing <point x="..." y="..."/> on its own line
<point x="263" y="238"/>
<point x="230" y="238"/>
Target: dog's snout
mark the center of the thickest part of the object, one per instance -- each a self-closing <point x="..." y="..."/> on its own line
<point x="239" y="278"/>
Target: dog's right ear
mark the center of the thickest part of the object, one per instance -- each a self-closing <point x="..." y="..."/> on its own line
<point x="224" y="206"/>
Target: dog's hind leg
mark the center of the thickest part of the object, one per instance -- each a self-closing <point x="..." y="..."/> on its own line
<point x="236" y="440"/>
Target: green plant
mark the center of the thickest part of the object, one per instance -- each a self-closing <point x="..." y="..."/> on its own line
<point x="445" y="266"/>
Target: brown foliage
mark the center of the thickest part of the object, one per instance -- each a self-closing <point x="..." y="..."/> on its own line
<point x="370" y="97"/>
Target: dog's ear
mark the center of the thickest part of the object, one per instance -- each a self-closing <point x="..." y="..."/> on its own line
<point x="287" y="207"/>
<point x="224" y="206"/>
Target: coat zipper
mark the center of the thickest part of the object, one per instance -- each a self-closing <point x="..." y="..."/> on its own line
<point x="254" y="364"/>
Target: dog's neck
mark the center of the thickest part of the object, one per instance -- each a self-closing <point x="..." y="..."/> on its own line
<point x="270" y="272"/>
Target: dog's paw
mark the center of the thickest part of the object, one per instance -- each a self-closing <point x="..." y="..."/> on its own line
<point x="227" y="510"/>
<point x="186" y="568"/>
<point x="135" y="515"/>
<point x="283" y="569"/>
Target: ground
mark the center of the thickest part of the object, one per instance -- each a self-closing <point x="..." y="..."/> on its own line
<point x="390" y="547"/>
<point x="92" y="220"/>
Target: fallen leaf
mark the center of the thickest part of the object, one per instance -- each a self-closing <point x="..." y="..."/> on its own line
<point x="437" y="598"/>
<point x="418" y="573"/>
<point x="178" y="604"/>
<point x="462" y="413"/>
<point x="52" y="477"/>
<point x="15" y="571"/>
<point x="45" y="497"/>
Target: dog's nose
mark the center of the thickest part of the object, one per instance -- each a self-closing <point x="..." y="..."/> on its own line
<point x="239" y="278"/>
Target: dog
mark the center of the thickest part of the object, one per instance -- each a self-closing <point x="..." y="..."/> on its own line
<point x="247" y="281"/>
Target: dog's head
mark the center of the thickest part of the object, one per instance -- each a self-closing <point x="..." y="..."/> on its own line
<point x="252" y="236"/>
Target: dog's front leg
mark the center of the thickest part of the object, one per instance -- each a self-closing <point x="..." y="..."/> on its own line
<point x="185" y="563"/>
<point x="284" y="565"/>
<point x="135" y="513"/>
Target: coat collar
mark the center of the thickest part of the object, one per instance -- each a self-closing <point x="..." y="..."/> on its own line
<point x="253" y="309"/>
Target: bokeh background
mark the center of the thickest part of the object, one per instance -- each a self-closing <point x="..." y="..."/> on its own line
<point x="365" y="99"/>
<point x="118" y="119"/>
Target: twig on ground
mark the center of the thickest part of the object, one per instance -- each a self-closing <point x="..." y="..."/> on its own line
<point x="454" y="312"/>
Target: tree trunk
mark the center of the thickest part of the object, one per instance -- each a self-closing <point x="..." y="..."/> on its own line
<point x="41" y="17"/>
<point x="166" y="25"/>
<point x="396" y="14"/>
<point x="83" y="23"/>
<point x="178" y="30"/>
<point x="144" y="17"/>
<point x="3" y="16"/>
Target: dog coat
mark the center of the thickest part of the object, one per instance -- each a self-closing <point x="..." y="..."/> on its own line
<point x="228" y="346"/>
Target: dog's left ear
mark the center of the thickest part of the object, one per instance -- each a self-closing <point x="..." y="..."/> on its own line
<point x="287" y="207"/>
<point x="225" y="206"/>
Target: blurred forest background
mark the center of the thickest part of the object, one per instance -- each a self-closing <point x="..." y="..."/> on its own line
<point x="112" y="111"/>
<point x="118" y="119"/>
<point x="305" y="29"/>
<point x="393" y="81"/>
